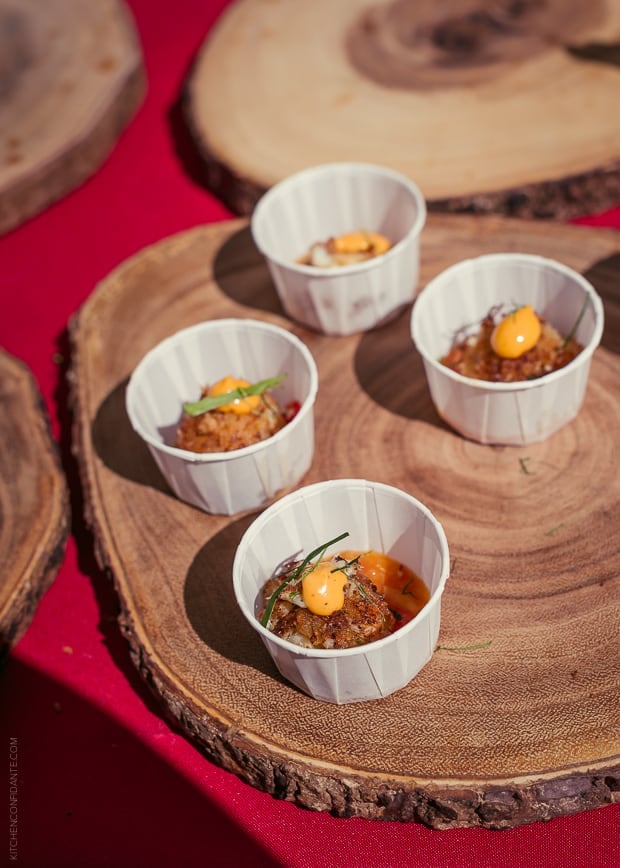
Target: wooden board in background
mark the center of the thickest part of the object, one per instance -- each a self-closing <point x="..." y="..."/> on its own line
<point x="71" y="79"/>
<point x="489" y="106"/>
<point x="515" y="717"/>
<point x="34" y="501"/>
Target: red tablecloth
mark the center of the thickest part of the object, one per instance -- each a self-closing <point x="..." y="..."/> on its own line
<point x="103" y="778"/>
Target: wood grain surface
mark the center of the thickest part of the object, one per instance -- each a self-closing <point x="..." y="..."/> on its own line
<point x="34" y="501"/>
<point x="71" y="78"/>
<point x="489" y="106"/>
<point x="515" y="717"/>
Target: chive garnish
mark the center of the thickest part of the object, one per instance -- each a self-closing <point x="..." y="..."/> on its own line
<point x="571" y="333"/>
<point x="362" y="591"/>
<point x="347" y="564"/>
<point x="212" y="403"/>
<point x="524" y="467"/>
<point x="296" y="573"/>
<point x="464" y="647"/>
<point x="358" y="585"/>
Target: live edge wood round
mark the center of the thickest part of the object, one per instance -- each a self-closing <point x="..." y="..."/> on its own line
<point x="490" y="106"/>
<point x="34" y="501"/>
<point x="515" y="717"/>
<point x="71" y="78"/>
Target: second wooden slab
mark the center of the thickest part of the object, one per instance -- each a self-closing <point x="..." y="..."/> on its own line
<point x="514" y="718"/>
<point x="488" y="106"/>
<point x="71" y="78"/>
<point x="35" y="513"/>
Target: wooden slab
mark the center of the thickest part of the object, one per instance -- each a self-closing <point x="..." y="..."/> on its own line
<point x="489" y="106"/>
<point x="34" y="502"/>
<point x="71" y="78"/>
<point x="515" y="717"/>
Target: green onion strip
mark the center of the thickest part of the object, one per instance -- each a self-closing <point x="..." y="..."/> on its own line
<point x="213" y="402"/>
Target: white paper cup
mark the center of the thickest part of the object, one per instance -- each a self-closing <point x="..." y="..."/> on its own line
<point x="177" y="369"/>
<point x="506" y="413"/>
<point x="330" y="200"/>
<point x="377" y="517"/>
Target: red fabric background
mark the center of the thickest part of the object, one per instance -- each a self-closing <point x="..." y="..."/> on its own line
<point x="103" y="779"/>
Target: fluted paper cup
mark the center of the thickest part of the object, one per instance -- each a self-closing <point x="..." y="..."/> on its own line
<point x="378" y="517"/>
<point x="331" y="200"/>
<point x="175" y="371"/>
<point x="515" y="413"/>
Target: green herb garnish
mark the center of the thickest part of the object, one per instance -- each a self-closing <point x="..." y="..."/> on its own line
<point x="362" y="591"/>
<point x="212" y="403"/>
<point x="347" y="563"/>
<point x="406" y="590"/>
<point x="524" y="467"/>
<point x="571" y="333"/>
<point x="465" y="647"/>
<point x="296" y="573"/>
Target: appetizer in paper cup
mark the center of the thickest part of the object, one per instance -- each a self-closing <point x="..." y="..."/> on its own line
<point x="342" y="581"/>
<point x="506" y="340"/>
<point x="342" y="244"/>
<point x="226" y="408"/>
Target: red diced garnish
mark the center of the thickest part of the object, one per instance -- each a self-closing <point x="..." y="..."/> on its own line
<point x="291" y="410"/>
